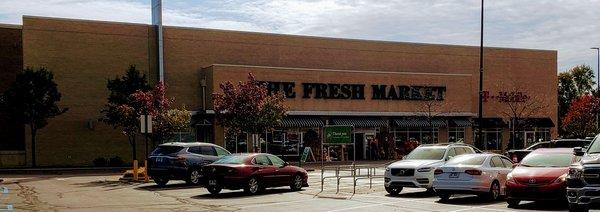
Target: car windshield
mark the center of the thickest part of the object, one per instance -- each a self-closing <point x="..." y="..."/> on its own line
<point x="166" y="150"/>
<point x="472" y="160"/>
<point x="595" y="146"/>
<point x="231" y="159"/>
<point x="547" y="160"/>
<point x="426" y="153"/>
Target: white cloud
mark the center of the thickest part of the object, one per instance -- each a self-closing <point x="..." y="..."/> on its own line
<point x="570" y="27"/>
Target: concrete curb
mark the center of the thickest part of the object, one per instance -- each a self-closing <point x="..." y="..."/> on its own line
<point x="62" y="170"/>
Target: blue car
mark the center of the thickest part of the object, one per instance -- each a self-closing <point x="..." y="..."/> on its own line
<point x="182" y="161"/>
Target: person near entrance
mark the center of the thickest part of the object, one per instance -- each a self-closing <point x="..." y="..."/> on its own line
<point x="374" y="148"/>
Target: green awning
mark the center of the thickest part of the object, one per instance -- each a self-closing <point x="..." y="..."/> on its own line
<point x="296" y="122"/>
<point x="419" y="122"/>
<point x="460" y="122"/>
<point x="360" y="122"/>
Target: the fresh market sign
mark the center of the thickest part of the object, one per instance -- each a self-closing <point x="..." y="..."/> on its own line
<point x="357" y="91"/>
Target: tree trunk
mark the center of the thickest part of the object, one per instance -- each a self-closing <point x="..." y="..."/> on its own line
<point x="33" y="133"/>
<point x="133" y="146"/>
<point x="255" y="143"/>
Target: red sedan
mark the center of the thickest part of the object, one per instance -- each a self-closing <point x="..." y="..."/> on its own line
<point x="540" y="176"/>
<point x="253" y="173"/>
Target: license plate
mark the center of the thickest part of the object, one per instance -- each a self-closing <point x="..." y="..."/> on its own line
<point x="454" y="175"/>
<point x="212" y="182"/>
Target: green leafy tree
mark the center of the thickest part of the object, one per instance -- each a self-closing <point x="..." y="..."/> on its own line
<point x="248" y="107"/>
<point x="166" y="121"/>
<point x="573" y="84"/>
<point x="31" y="100"/>
<point x="122" y="110"/>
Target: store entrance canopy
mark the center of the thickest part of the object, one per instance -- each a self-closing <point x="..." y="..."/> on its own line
<point x="535" y="122"/>
<point x="300" y="121"/>
<point x="419" y="122"/>
<point x="489" y="123"/>
<point x="361" y="122"/>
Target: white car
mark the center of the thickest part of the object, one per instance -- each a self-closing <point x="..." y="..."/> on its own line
<point x="416" y="169"/>
<point x="480" y="174"/>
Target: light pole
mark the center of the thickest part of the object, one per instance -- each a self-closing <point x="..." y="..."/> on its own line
<point x="597" y="70"/>
<point x="597" y="83"/>
<point x="480" y="112"/>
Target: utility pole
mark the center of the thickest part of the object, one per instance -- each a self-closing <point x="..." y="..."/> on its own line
<point x="480" y="112"/>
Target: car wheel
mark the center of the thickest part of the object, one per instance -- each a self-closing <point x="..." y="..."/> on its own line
<point x="297" y="183"/>
<point x="161" y="181"/>
<point x="444" y="196"/>
<point x="194" y="176"/>
<point x="253" y="186"/>
<point x="393" y="191"/>
<point x="513" y="203"/>
<point x="494" y="193"/>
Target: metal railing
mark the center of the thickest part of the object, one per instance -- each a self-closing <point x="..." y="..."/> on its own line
<point x="356" y="172"/>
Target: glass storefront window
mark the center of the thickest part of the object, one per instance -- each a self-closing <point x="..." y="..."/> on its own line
<point x="529" y="136"/>
<point x="236" y="143"/>
<point x="456" y="134"/>
<point x="492" y="139"/>
<point x="421" y="135"/>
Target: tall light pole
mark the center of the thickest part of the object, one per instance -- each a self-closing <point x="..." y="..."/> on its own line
<point x="598" y="70"/>
<point x="480" y="112"/>
<point x="597" y="83"/>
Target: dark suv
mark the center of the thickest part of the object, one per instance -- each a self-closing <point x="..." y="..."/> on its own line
<point x="517" y="154"/>
<point x="182" y="161"/>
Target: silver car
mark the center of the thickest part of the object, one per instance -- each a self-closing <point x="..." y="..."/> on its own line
<point x="480" y="174"/>
<point x="416" y="169"/>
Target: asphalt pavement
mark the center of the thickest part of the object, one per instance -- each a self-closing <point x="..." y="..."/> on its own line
<point x="93" y="192"/>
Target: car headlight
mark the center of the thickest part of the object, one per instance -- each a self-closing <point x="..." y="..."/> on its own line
<point x="575" y="172"/>
<point x="509" y="178"/>
<point x="424" y="169"/>
<point x="561" y="179"/>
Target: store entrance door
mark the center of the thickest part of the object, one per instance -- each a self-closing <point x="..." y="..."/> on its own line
<point x="360" y="144"/>
<point x="529" y="138"/>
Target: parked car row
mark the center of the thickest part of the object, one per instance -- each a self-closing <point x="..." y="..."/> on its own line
<point x="449" y="169"/>
<point x="217" y="169"/>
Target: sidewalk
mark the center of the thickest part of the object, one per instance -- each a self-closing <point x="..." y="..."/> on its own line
<point x="309" y="166"/>
<point x="61" y="170"/>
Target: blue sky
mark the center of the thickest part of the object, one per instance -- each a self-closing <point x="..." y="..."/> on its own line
<point x="569" y="26"/>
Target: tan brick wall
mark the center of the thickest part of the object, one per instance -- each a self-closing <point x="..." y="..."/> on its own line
<point x="84" y="54"/>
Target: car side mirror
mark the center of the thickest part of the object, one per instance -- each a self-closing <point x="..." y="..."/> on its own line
<point x="449" y="157"/>
<point x="515" y="165"/>
<point x="285" y="164"/>
<point x="578" y="151"/>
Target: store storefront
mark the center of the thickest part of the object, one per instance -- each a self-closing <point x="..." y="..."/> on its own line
<point x="393" y="93"/>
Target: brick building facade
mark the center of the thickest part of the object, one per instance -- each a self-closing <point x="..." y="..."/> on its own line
<point x="320" y="72"/>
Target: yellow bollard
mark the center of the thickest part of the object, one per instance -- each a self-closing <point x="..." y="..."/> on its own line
<point x="146" y="177"/>
<point x="135" y="170"/>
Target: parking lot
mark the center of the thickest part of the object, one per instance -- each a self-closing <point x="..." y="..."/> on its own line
<point x="105" y="192"/>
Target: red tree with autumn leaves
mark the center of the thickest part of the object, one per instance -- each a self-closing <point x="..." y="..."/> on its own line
<point x="580" y="120"/>
<point x="248" y="107"/>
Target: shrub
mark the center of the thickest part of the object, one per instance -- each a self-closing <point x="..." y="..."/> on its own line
<point x="115" y="161"/>
<point x="100" y="162"/>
